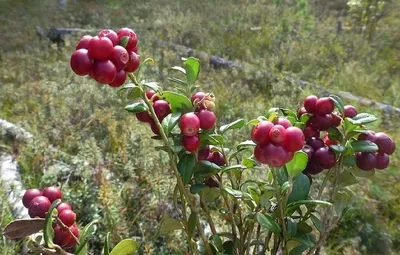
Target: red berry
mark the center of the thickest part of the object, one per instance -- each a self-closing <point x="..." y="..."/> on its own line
<point x="259" y="153"/>
<point x="329" y="142"/>
<point x="301" y="112"/>
<point x="385" y="143"/>
<point x="365" y="160"/>
<point x="100" y="48"/>
<point x="104" y="71"/>
<point x="293" y="139"/>
<point x="290" y="155"/>
<point x="133" y="63"/>
<point x="132" y="41"/>
<point x="276" y="134"/>
<point x="211" y="183"/>
<point x="74" y="229"/>
<point x="110" y="34"/>
<point x="63" y="206"/>
<point x="162" y="109"/>
<point x="189" y="124"/>
<point x="382" y="160"/>
<point x="320" y="122"/>
<point x="154" y="127"/>
<point x="84" y="42"/>
<point x="119" y="80"/>
<point x="283" y="122"/>
<point x="260" y="132"/>
<point x="313" y="168"/>
<point x="52" y="193"/>
<point x="207" y="119"/>
<point x="136" y="49"/>
<point x="144" y="117"/>
<point x="350" y="111"/>
<point x="29" y="195"/>
<point x="217" y="158"/>
<point x="315" y="142"/>
<point x="207" y="103"/>
<point x="39" y="206"/>
<point x="310" y="131"/>
<point x="81" y="63"/>
<point x="61" y="236"/>
<point x="275" y="155"/>
<point x="336" y="119"/>
<point x="120" y="57"/>
<point x="309" y="103"/>
<point x="309" y="151"/>
<point x="150" y="94"/>
<point x="191" y="143"/>
<point x="370" y="136"/>
<point x="203" y="153"/>
<point x="68" y="217"/>
<point x="324" y="105"/>
<point x="325" y="157"/>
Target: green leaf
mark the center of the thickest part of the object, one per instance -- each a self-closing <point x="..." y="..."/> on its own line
<point x="297" y="164"/>
<point x="317" y="222"/>
<point x="348" y="125"/>
<point x="217" y="242"/>
<point x="254" y="194"/>
<point x="282" y="175"/>
<point x="204" y="166"/>
<point x="124" y="41"/>
<point x="192" y="67"/>
<point x="335" y="134"/>
<point x="264" y="199"/>
<point x="306" y="239"/>
<point x="364" y="146"/>
<point x="246" y="144"/>
<point x="133" y="91"/>
<point x="298" y="250"/>
<point x="304" y="227"/>
<point x="228" y="248"/>
<point x="106" y="249"/>
<point x="338" y="148"/>
<point x="291" y="226"/>
<point x="125" y="247"/>
<point x="305" y="117"/>
<point x="360" y="173"/>
<point x="233" y="125"/>
<point x="169" y="122"/>
<point x="178" y="81"/>
<point x="233" y="192"/>
<point x="177" y="101"/>
<point x="185" y="167"/>
<point x="346" y="178"/>
<point x="362" y="119"/>
<point x="338" y="102"/>
<point x="152" y="85"/>
<point x="84" y="236"/>
<point x="48" y="233"/>
<point x="249" y="163"/>
<point x="168" y="225"/>
<point x="309" y="202"/>
<point x="300" y="189"/>
<point x="136" y="107"/>
<point x="285" y="187"/>
<point x="288" y="112"/>
<point x="206" y="139"/>
<point x="197" y="188"/>
<point x="340" y="202"/>
<point x="253" y="122"/>
<point x="192" y="223"/>
<point x="349" y="160"/>
<point x="268" y="222"/>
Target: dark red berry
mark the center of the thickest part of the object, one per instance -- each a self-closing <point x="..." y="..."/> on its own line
<point x="63" y="206"/>
<point x="29" y="195"/>
<point x="350" y="111"/>
<point x="162" y="109"/>
<point x="276" y="134"/>
<point x="84" y="42"/>
<point x="315" y="143"/>
<point x="120" y="57"/>
<point x="275" y="155"/>
<point x="132" y="41"/>
<point x="336" y="119"/>
<point x="309" y="151"/>
<point x="310" y="131"/>
<point x="74" y="229"/>
<point x="110" y="34"/>
<point x="329" y="142"/>
<point x="259" y="153"/>
<point x="154" y="127"/>
<point x="211" y="182"/>
<point x="133" y="63"/>
<point x="260" y="132"/>
<point x="365" y="160"/>
<point x="81" y="63"/>
<point x="324" y="157"/>
<point x="290" y="156"/>
<point x="382" y="161"/>
<point x="61" y="236"/>
<point x="144" y="117"/>
<point x="309" y="103"/>
<point x="189" y="124"/>
<point x="203" y="153"/>
<point x="68" y="217"/>
<point x="150" y="94"/>
<point x="324" y="105"/>
<point x="320" y="122"/>
<point x="313" y="168"/>
<point x="217" y="158"/>
<point x="191" y="143"/>
<point x="104" y="71"/>
<point x="301" y="112"/>
<point x="136" y="49"/>
<point x="283" y="122"/>
<point x="385" y="143"/>
<point x="119" y="80"/>
<point x="52" y="193"/>
<point x="207" y="119"/>
<point x="370" y="136"/>
<point x="100" y="48"/>
<point x="293" y="139"/>
<point x="39" y="206"/>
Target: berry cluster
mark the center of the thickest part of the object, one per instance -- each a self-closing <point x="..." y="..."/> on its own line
<point x="215" y="157"/>
<point x="161" y="109"/>
<point x="38" y="203"/>
<point x="107" y="57"/>
<point x="276" y="141"/>
<point x="203" y="118"/>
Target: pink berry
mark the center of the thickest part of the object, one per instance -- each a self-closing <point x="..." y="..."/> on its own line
<point x="366" y="161"/>
<point x="207" y="119"/>
<point x="320" y="122"/>
<point x="382" y="161"/>
<point x="260" y="132"/>
<point x="293" y="139"/>
<point x="325" y="157"/>
<point x="63" y="206"/>
<point x="350" y="111"/>
<point x="385" y="143"/>
<point x="150" y="94"/>
<point x="191" y="143"/>
<point x="132" y="38"/>
<point x="189" y="124"/>
<point x="144" y="117"/>
<point x="275" y="155"/>
<point x="283" y="122"/>
<point x="68" y="217"/>
<point x="217" y="158"/>
<point x="276" y="134"/>
<point x="203" y="153"/>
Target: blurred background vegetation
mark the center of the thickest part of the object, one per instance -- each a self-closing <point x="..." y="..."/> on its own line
<point x="112" y="170"/>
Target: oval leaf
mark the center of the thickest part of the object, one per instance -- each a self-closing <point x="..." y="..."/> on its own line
<point x="185" y="167"/>
<point x="125" y="247"/>
<point x="301" y="188"/>
<point x="197" y="188"/>
<point x="84" y="236"/>
<point x="364" y="146"/>
<point x="297" y="164"/>
<point x="177" y="101"/>
<point x="268" y="222"/>
<point x="22" y="228"/>
<point x="192" y="223"/>
<point x="136" y="107"/>
<point x="234" y="125"/>
<point x="169" y="122"/>
<point x="192" y="67"/>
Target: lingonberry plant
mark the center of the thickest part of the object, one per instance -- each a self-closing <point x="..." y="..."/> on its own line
<point x="273" y="211"/>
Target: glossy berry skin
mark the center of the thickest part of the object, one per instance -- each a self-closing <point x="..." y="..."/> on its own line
<point x="324" y="157"/>
<point x="144" y="117"/>
<point x="120" y="57"/>
<point x="52" y="193"/>
<point x="370" y="136"/>
<point x="74" y="229"/>
<point x="212" y="183"/>
<point x="283" y="122"/>
<point x="382" y="161"/>
<point x="203" y="153"/>
<point x="133" y="63"/>
<point x="119" y="80"/>
<point x="366" y="161"/>
<point x="309" y="151"/>
<point x="309" y="103"/>
<point x="259" y="153"/>
<point x="260" y="132"/>
<point x="104" y="71"/>
<point x="276" y="134"/>
<point x="320" y="122"/>
<point x="39" y="206"/>
<point x="84" y="42"/>
<point x="162" y="109"/>
<point x="150" y="94"/>
<point x="68" y="217"/>
<point x="81" y="62"/>
<point x="301" y="111"/>
<point x="385" y="143"/>
<point x="315" y="143"/>
<point x="310" y="132"/>
<point x="132" y="41"/>
<point x="293" y="139"/>
<point x="63" y="206"/>
<point x="324" y="105"/>
<point x="191" y="143"/>
<point x="207" y="119"/>
<point x="336" y="119"/>
<point x="275" y="156"/>
<point x="154" y="127"/>
<point x="350" y="111"/>
<point x="189" y="124"/>
<point x="29" y="195"/>
<point x="61" y="236"/>
<point x="217" y="158"/>
<point x="100" y="47"/>
<point x="110" y="34"/>
<point x="313" y="168"/>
